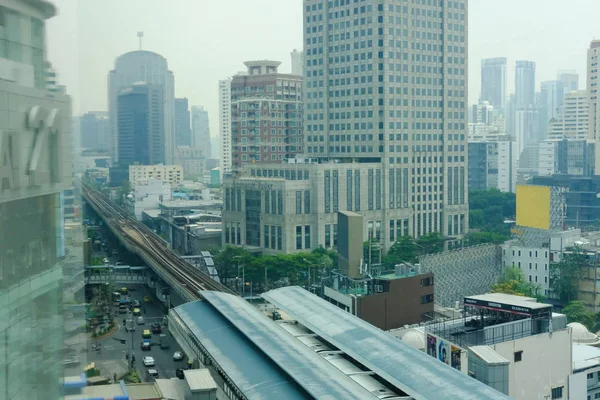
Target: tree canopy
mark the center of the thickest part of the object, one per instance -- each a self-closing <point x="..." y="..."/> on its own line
<point x="577" y="312"/>
<point x="281" y="270"/>
<point x="566" y="274"/>
<point x="513" y="282"/>
<point x="488" y="209"/>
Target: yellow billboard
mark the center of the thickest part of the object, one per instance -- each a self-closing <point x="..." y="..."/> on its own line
<point x="533" y="206"/>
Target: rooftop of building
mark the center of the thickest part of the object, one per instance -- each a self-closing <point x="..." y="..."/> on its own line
<point x="261" y="359"/>
<point x="508" y="301"/>
<point x="421" y="376"/>
<point x="585" y="356"/>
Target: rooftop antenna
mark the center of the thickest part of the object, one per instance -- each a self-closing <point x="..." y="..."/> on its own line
<point x="140" y="35"/>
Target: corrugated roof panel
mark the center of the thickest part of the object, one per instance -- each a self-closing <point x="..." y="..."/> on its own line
<point x="307" y="368"/>
<point x="200" y="379"/>
<point x="416" y="373"/>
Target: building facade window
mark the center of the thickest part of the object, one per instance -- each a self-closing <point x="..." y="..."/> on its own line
<point x="267" y="236"/>
<point x="298" y="202"/>
<point x="370" y="189"/>
<point x="298" y="237"/>
<point x="307" y="237"/>
<point x="335" y="191"/>
<point x="327" y="236"/>
<point x="327" y="189"/>
<point x="356" y="190"/>
<point x="279" y="239"/>
<point x="349" y="190"/>
<point x="378" y="189"/>
<point x="307" y="202"/>
<point x="279" y="202"/>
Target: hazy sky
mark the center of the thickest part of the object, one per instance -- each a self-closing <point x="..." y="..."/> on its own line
<point x="208" y="40"/>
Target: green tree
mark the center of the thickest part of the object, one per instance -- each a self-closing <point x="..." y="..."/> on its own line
<point x="475" y="238"/>
<point x="488" y="209"/>
<point x="513" y="282"/>
<point x="404" y="249"/>
<point x="431" y="243"/>
<point x="566" y="274"/>
<point x="576" y="311"/>
<point x="123" y="191"/>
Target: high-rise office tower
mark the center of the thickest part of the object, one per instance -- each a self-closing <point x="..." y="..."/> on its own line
<point x="140" y="125"/>
<point x="147" y="67"/>
<point x="225" y="125"/>
<point x="33" y="173"/>
<point x="201" y="131"/>
<point x="264" y="93"/>
<point x="594" y="101"/>
<point x="525" y="83"/>
<point x="381" y="90"/>
<point x="297" y="58"/>
<point x="493" y="81"/>
<point x="183" y="131"/>
<point x="95" y="130"/>
<point x="569" y="79"/>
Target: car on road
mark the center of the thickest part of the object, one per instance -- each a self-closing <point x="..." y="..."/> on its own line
<point x="149" y="361"/>
<point x="156" y="328"/>
<point x="178" y="356"/>
<point x="136" y="303"/>
<point x="140" y="320"/>
<point x="147" y="299"/>
<point x="146" y="345"/>
<point x="179" y="373"/>
<point x="136" y="312"/>
<point x="152" y="372"/>
<point x="146" y="334"/>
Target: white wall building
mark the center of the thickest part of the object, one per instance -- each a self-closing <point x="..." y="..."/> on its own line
<point x="225" y="125"/>
<point x="573" y="120"/>
<point x="584" y="383"/>
<point x="141" y="174"/>
<point x="148" y="196"/>
<point x="594" y="100"/>
<point x="542" y="368"/>
<point x="547" y="157"/>
<point x="535" y="261"/>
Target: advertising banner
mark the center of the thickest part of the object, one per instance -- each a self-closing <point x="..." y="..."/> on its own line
<point x="447" y="352"/>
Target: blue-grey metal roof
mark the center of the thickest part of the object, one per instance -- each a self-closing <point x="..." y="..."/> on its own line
<point x="245" y="364"/>
<point x="414" y="372"/>
<point x="311" y="371"/>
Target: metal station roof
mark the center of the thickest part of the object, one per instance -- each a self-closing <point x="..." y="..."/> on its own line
<point x="310" y="371"/>
<point x="245" y="364"/>
<point x="416" y="373"/>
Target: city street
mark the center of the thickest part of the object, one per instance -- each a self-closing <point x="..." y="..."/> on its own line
<point x="111" y="358"/>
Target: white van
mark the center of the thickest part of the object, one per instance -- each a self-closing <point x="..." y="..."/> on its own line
<point x="140" y="320"/>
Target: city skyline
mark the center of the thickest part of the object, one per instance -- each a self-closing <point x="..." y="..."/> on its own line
<point x="199" y="79"/>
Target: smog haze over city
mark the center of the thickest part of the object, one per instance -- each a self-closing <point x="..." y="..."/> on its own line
<point x="299" y="199"/>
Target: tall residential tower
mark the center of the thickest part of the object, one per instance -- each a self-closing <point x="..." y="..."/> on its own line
<point x="594" y="101"/>
<point x="225" y="125"/>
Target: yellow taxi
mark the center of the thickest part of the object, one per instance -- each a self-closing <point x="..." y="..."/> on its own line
<point x="147" y="299"/>
<point x="124" y="290"/>
<point x="136" y="312"/>
<point x="146" y="334"/>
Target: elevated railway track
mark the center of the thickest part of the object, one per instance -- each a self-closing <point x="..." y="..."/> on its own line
<point x="182" y="277"/>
